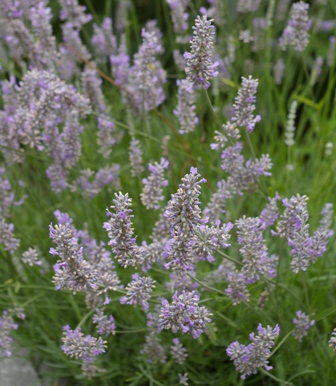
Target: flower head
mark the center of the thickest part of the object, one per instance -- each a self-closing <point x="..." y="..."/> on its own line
<point x="200" y="69"/>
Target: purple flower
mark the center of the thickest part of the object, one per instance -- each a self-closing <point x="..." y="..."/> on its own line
<point x="178" y="352"/>
<point x="7" y="238"/>
<point x="247" y="359"/>
<point x="182" y="211"/>
<point x="185" y="109"/>
<point x="72" y="272"/>
<point x="103" y="40"/>
<point x="256" y="262"/>
<point x="152" y="191"/>
<point x="332" y="340"/>
<point x="146" y="77"/>
<point x="74" y="13"/>
<point x="184" y="314"/>
<point x="6" y="325"/>
<point x="179" y="15"/>
<point x="79" y="346"/>
<point x="138" y="291"/>
<point x="244" y="6"/>
<point x="91" y="84"/>
<point x="120" y="231"/>
<point x="199" y="66"/>
<point x="293" y="225"/>
<point x="105" y="324"/>
<point x="296" y="32"/>
<point x="302" y="324"/>
<point x="237" y="289"/>
<point x="245" y="105"/>
<point x="135" y="155"/>
<point x="153" y="349"/>
<point x="31" y="257"/>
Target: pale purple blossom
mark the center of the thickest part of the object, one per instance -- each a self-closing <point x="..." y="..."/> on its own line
<point x="302" y="324"/>
<point x="135" y="155"/>
<point x="237" y="288"/>
<point x="185" y="109"/>
<point x="152" y="190"/>
<point x="200" y="68"/>
<point x="120" y="231"/>
<point x="146" y="77"/>
<point x="178" y="352"/>
<point x="31" y="257"/>
<point x="293" y="225"/>
<point x="153" y="349"/>
<point x="296" y="32"/>
<point x="105" y="324"/>
<point x="103" y="40"/>
<point x="184" y="314"/>
<point x="256" y="262"/>
<point x="332" y="340"/>
<point x="244" y="105"/>
<point x="6" y="325"/>
<point x="139" y="291"/>
<point x="244" y="6"/>
<point x="182" y="211"/>
<point x="79" y="346"/>
<point x="179" y="15"/>
<point x="247" y="359"/>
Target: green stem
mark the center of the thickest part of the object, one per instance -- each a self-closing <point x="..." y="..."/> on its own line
<point x="276" y="378"/>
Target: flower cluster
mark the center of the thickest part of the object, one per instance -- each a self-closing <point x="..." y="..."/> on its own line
<point x="332" y="340"/>
<point x="290" y="128"/>
<point x="105" y="324"/>
<point x="182" y="211"/>
<point x="152" y="191"/>
<point x="199" y="66"/>
<point x="120" y="231"/>
<point x="79" y="346"/>
<point x="244" y="105"/>
<point x="72" y="272"/>
<point x="138" y="291"/>
<point x="185" y="109"/>
<point x="294" y="226"/>
<point x="31" y="257"/>
<point x="247" y="359"/>
<point x="179" y="15"/>
<point x="302" y="324"/>
<point x="296" y="32"/>
<point x="184" y="314"/>
<point x="256" y="262"/>
<point x="6" y="325"/>
<point x="244" y="6"/>
<point x="146" y="76"/>
<point x="178" y="352"/>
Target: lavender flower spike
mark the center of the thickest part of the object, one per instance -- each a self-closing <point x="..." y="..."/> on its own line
<point x="302" y="324"/>
<point x="78" y="346"/>
<point x="120" y="231"/>
<point x="183" y="212"/>
<point x="138" y="291"/>
<point x="200" y="68"/>
<point x="184" y="314"/>
<point x="296" y="32"/>
<point x="247" y="359"/>
<point x="152" y="192"/>
<point x="185" y="109"/>
<point x="332" y="340"/>
<point x="245" y="105"/>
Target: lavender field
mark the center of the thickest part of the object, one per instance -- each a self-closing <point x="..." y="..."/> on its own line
<point x="167" y="191"/>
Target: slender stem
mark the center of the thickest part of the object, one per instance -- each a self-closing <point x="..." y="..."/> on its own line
<point x="276" y="378"/>
<point x="85" y="318"/>
<point x="207" y="286"/>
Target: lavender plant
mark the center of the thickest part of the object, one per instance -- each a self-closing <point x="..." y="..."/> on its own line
<point x="88" y="97"/>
